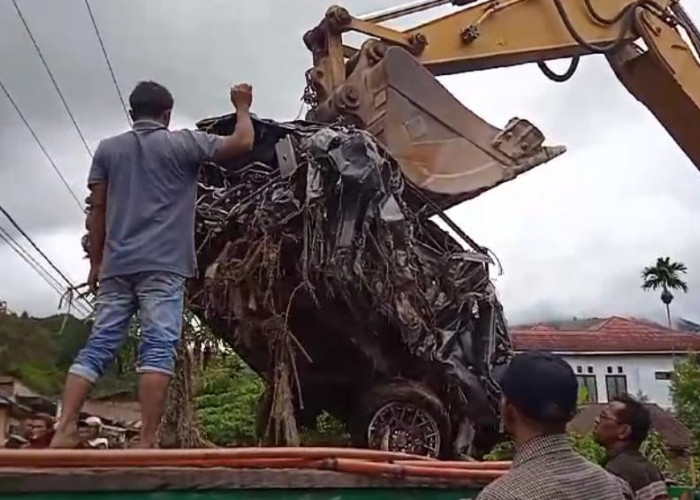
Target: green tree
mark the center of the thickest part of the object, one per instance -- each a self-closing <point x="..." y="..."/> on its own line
<point x="685" y="387"/>
<point x="69" y="334"/>
<point x="227" y="403"/>
<point x="667" y="276"/>
<point x="227" y="400"/>
<point x="656" y="451"/>
<point x="28" y="352"/>
<point x="586" y="446"/>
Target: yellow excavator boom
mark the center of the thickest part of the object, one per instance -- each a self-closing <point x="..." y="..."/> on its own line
<point x="388" y="85"/>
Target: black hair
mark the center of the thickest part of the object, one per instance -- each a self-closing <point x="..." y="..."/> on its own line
<point x="46" y="418"/>
<point x="542" y="387"/>
<point x="636" y="416"/>
<point x="150" y="100"/>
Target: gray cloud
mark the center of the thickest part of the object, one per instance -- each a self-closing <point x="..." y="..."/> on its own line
<point x="573" y="235"/>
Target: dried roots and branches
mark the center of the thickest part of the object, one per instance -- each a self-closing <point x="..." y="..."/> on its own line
<point x="320" y="219"/>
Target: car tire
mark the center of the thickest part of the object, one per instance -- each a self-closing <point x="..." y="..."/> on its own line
<point x="397" y="400"/>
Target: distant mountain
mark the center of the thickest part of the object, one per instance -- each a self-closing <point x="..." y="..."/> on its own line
<point x="39" y="351"/>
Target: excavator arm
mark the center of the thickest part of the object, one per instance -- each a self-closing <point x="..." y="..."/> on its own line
<point x="388" y="87"/>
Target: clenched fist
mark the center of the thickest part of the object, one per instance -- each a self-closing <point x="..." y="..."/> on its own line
<point x="242" y="96"/>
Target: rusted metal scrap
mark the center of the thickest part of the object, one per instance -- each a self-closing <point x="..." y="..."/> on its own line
<point x="321" y="268"/>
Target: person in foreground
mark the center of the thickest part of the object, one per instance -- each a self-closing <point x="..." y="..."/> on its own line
<point x="621" y="428"/>
<point x="141" y="238"/>
<point x="539" y="399"/>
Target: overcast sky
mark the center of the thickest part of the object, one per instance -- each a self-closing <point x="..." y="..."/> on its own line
<point x="572" y="235"/>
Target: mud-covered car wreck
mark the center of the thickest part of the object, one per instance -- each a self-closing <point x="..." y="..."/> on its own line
<point x="320" y="265"/>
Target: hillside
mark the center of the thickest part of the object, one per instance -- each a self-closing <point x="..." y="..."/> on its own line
<point x="39" y="351"/>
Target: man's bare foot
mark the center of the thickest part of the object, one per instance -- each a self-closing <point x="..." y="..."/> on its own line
<point x="65" y="439"/>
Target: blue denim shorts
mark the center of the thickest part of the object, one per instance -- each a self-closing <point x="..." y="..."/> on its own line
<point x="158" y="299"/>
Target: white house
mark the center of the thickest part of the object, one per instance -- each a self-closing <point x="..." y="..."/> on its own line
<point x="614" y="355"/>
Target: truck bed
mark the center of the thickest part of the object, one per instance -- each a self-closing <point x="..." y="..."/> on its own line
<point x="309" y="473"/>
<point x="175" y="483"/>
<point x="51" y="480"/>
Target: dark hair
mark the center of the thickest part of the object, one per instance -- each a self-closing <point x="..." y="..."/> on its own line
<point x="47" y="419"/>
<point x="542" y="386"/>
<point x="150" y="100"/>
<point x="636" y="416"/>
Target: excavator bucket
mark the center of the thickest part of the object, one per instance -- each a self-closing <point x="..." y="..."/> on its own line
<point x="442" y="147"/>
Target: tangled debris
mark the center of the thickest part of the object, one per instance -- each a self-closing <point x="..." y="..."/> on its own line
<point x="325" y="273"/>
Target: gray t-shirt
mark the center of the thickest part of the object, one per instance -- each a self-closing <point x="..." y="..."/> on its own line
<point x="151" y="174"/>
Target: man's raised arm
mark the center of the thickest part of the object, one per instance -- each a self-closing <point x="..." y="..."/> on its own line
<point x="243" y="137"/>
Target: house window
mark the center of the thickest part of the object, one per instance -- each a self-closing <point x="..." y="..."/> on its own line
<point x="662" y="375"/>
<point x="590" y="369"/>
<point x="616" y="385"/>
<point x="609" y="369"/>
<point x="619" y="369"/>
<point x="579" y="369"/>
<point x="587" y="389"/>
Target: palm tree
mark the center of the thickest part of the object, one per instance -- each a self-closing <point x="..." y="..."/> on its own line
<point x="665" y="275"/>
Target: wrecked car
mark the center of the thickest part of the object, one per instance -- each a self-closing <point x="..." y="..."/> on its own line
<point x="322" y="267"/>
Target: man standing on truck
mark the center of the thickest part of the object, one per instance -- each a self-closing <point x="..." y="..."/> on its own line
<point x="539" y="399"/>
<point x="621" y="428"/>
<point x="141" y="237"/>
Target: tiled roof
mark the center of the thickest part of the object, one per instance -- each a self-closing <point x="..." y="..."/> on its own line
<point x="671" y="430"/>
<point x="614" y="334"/>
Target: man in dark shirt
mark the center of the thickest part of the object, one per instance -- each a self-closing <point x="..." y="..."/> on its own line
<point x="621" y="428"/>
<point x="539" y="399"/>
<point x="42" y="431"/>
<point x="141" y="237"/>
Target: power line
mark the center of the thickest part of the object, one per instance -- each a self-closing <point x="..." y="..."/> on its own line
<point x="36" y="247"/>
<point x="109" y="64"/>
<point x="37" y="267"/>
<point x="53" y="80"/>
<point x="41" y="146"/>
<point x="29" y="259"/>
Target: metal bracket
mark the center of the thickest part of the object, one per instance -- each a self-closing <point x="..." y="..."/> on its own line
<point x="286" y="157"/>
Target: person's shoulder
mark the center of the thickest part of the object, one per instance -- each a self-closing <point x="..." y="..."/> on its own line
<point x="117" y="137"/>
<point x="192" y="135"/>
<point x="517" y="483"/>
<point x="111" y="143"/>
<point x="635" y="469"/>
<point x="615" y="483"/>
<point x="183" y="137"/>
<point x="497" y="489"/>
<point x="198" y="145"/>
<point x="184" y="132"/>
<point x="624" y="487"/>
<point x="616" y="465"/>
<point x="596" y="474"/>
<point x="599" y="470"/>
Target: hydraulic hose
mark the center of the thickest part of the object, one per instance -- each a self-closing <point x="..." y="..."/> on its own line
<point x="626" y="15"/>
<point x="348" y="460"/>
<point x="648" y="4"/>
<point x="604" y="20"/>
<point x="573" y="65"/>
<point x="135" y="457"/>
<point x="627" y="19"/>
<point x="687" y="23"/>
